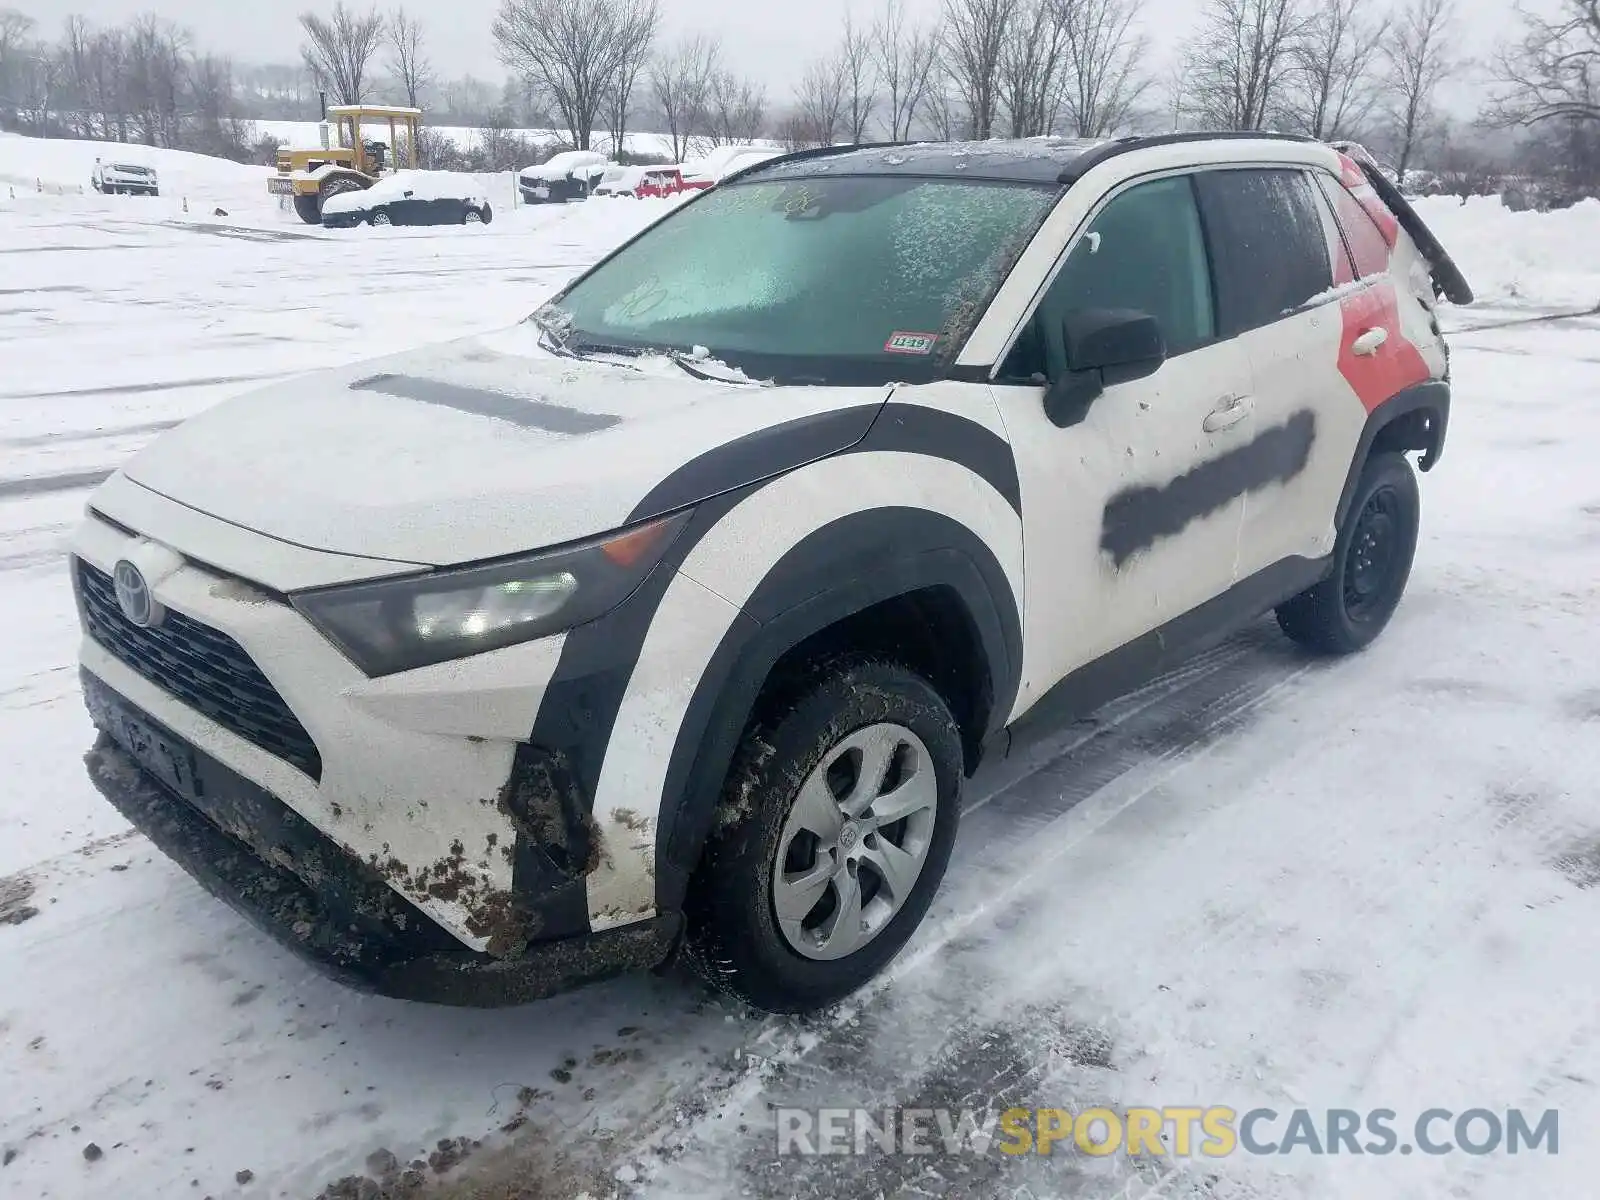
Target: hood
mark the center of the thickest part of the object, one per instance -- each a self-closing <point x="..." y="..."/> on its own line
<point x="475" y="449"/>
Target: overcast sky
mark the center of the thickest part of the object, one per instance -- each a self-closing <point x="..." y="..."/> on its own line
<point x="772" y="39"/>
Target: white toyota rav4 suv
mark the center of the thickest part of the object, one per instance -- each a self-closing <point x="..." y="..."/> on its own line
<point x="676" y="615"/>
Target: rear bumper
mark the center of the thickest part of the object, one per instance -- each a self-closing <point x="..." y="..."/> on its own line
<point x="249" y="849"/>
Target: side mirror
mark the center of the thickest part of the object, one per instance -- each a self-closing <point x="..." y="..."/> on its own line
<point x="1101" y="347"/>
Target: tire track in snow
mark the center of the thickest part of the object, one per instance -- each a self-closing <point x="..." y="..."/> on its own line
<point x="131" y="389"/>
<point x="1018" y="833"/>
<point x="40" y="485"/>
<point x="76" y="437"/>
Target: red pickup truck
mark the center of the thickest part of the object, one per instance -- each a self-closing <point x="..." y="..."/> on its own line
<point x="667" y="181"/>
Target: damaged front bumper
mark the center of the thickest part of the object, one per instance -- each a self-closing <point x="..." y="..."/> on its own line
<point x="252" y="851"/>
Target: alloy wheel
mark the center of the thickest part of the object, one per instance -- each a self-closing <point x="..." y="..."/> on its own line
<point x="855" y="841"/>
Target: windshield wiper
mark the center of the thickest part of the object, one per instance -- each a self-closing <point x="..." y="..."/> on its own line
<point x="552" y="337"/>
<point x="692" y="365"/>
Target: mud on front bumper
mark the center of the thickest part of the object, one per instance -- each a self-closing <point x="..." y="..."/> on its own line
<point x="252" y="851"/>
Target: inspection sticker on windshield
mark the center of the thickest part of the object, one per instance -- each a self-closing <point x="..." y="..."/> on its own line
<point x="910" y="343"/>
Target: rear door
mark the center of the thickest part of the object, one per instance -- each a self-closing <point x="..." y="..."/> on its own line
<point x="1278" y="263"/>
<point x="447" y="210"/>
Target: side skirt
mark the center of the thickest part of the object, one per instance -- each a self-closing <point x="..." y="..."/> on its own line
<point x="1130" y="667"/>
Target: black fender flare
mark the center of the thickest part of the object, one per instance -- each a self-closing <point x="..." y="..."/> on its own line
<point x="1413" y="419"/>
<point x="839" y="570"/>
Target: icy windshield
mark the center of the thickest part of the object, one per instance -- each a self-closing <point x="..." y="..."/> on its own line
<point x="858" y="280"/>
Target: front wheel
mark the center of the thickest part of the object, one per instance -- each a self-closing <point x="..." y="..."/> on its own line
<point x="833" y="834"/>
<point x="381" y="218"/>
<point x="1371" y="564"/>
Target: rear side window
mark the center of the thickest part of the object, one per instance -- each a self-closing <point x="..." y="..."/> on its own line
<point x="1267" y="240"/>
<point x="1367" y="243"/>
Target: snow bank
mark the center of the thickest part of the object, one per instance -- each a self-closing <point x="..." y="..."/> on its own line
<point x="62" y="166"/>
<point x="1550" y="258"/>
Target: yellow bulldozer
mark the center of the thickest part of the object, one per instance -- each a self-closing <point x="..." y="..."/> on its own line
<point x="350" y="158"/>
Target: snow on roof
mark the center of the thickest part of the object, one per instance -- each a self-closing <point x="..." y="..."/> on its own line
<point x="372" y="110"/>
<point x="562" y="164"/>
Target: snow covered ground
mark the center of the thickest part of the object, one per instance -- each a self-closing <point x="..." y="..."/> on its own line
<point x="1261" y="881"/>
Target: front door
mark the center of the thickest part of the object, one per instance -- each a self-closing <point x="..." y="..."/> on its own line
<point x="1131" y="517"/>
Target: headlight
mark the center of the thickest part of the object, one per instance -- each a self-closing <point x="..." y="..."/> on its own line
<point x="400" y="624"/>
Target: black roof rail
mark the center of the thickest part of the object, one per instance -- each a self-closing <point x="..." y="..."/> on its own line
<point x="814" y="152"/>
<point x="1089" y="159"/>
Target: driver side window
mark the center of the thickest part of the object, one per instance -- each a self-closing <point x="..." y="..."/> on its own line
<point x="1146" y="251"/>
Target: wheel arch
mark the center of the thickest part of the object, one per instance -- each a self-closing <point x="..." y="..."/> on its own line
<point x="912" y="585"/>
<point x="1414" y="419"/>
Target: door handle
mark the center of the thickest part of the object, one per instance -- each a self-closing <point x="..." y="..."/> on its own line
<point x="1367" y="344"/>
<point x="1230" y="410"/>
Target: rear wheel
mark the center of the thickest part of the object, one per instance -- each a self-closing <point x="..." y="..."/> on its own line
<point x="1372" y="563"/>
<point x="833" y="834"/>
<point x="381" y="218"/>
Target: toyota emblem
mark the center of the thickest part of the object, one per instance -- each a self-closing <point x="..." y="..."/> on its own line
<point x="133" y="596"/>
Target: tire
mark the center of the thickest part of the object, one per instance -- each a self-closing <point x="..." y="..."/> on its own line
<point x="822" y="732"/>
<point x="308" y="209"/>
<point x="1372" y="562"/>
<point x="379" y="218"/>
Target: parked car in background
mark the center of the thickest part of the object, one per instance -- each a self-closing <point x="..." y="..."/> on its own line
<point x="722" y="162"/>
<point x="619" y="181"/>
<point x="566" y="176"/>
<point x="667" y="181"/>
<point x="411" y="198"/>
<point x="114" y="179"/>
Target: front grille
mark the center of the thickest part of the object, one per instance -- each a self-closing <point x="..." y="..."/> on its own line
<point x="203" y="667"/>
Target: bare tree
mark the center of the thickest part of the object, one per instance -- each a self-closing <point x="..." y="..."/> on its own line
<point x="156" y="62"/>
<point x="736" y="108"/>
<point x="570" y="52"/>
<point x="637" y="33"/>
<point x="338" y="50"/>
<point x="904" y="55"/>
<point x="941" y="108"/>
<point x="679" y="80"/>
<point x="1333" y="89"/>
<point x="1030" y="66"/>
<point x="1418" y="55"/>
<point x="1179" y="99"/>
<point x="820" y="103"/>
<point x="974" y="41"/>
<point x="15" y="30"/>
<point x="858" y="72"/>
<point x="1104" y="74"/>
<point x="408" y="64"/>
<point x="1240" y="60"/>
<point x="1551" y="72"/>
